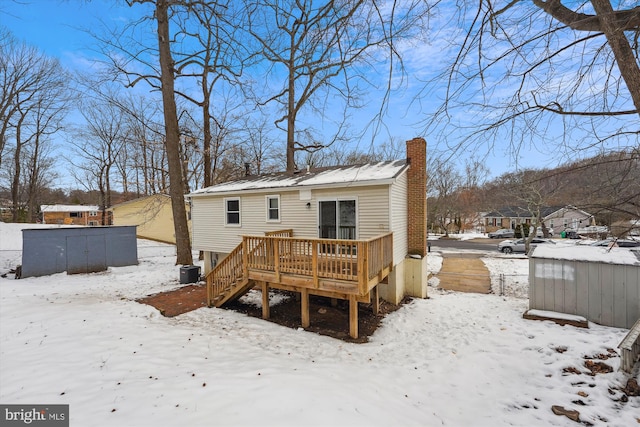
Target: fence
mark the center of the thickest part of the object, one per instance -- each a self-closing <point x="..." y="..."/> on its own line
<point x="511" y="285"/>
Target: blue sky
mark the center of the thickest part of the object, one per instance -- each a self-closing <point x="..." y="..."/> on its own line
<point x="56" y="26"/>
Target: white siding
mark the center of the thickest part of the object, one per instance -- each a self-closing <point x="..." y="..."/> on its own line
<point x="210" y="234"/>
<point x="372" y="208"/>
<point x="398" y="197"/>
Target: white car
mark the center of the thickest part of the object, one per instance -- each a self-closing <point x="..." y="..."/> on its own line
<point x="510" y="246"/>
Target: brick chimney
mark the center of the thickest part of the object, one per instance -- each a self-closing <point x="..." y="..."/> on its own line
<point x="417" y="196"/>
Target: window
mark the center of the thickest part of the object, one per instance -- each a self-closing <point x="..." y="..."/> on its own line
<point x="93" y="213"/>
<point x="232" y="211"/>
<point x="75" y="214"/>
<point x="337" y="219"/>
<point x="273" y="208"/>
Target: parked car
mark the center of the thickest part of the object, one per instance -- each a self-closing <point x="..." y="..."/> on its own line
<point x="509" y="246"/>
<point x="620" y="243"/>
<point x="502" y="233"/>
<point x="539" y="232"/>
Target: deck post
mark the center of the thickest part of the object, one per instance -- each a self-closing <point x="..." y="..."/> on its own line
<point x="375" y="300"/>
<point x="209" y="291"/>
<point x="266" y="312"/>
<point x="353" y="316"/>
<point x="304" y="307"/>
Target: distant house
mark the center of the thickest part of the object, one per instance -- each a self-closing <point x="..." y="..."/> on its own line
<point x="72" y="215"/>
<point x="151" y="214"/>
<point x="351" y="232"/>
<point x="557" y="218"/>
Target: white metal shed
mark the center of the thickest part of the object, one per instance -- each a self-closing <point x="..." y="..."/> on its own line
<point x="600" y="284"/>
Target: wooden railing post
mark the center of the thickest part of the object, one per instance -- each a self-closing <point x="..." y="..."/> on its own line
<point x="276" y="258"/>
<point x="363" y="267"/>
<point x="245" y="257"/>
<point x="314" y="263"/>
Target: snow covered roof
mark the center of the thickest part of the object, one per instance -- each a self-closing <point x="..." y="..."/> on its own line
<point x="588" y="253"/>
<point x="525" y="212"/>
<point x="342" y="176"/>
<point x="69" y="208"/>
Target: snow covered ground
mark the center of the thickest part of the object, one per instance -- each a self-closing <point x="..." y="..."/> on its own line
<point x="453" y="359"/>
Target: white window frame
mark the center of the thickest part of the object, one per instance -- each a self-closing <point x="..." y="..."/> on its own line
<point x="337" y="200"/>
<point x="268" y="207"/>
<point x="227" y="212"/>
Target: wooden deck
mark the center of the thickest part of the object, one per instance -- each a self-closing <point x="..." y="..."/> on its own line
<point x="343" y="269"/>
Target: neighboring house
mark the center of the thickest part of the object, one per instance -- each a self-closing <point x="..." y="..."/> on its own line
<point x="72" y="215"/>
<point x="351" y="232"/>
<point x="556" y="218"/>
<point x="151" y="214"/>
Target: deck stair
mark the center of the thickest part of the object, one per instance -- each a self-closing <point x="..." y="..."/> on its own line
<point x="228" y="281"/>
<point x="630" y="349"/>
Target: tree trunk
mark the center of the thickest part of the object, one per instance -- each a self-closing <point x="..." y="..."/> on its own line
<point x="172" y="139"/>
<point x="206" y="123"/>
<point x="15" y="183"/>
<point x="291" y="113"/>
<point x="622" y="51"/>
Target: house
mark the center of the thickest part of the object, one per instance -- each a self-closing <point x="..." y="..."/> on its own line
<point x="72" y="215"/>
<point x="353" y="232"/>
<point x="556" y="218"/>
<point x="151" y="214"/>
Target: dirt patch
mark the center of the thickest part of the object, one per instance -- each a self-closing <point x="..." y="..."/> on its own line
<point x="326" y="317"/>
<point x="178" y="301"/>
<point x="464" y="273"/>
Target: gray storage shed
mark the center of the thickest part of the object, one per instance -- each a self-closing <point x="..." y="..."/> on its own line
<point x="599" y="284"/>
<point x="77" y="249"/>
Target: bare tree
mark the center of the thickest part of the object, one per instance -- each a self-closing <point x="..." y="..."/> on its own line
<point x="443" y="183"/>
<point x="162" y="77"/>
<point x="97" y="146"/>
<point x="319" y="52"/>
<point x="32" y="103"/>
<point x="218" y="60"/>
<point x="561" y="77"/>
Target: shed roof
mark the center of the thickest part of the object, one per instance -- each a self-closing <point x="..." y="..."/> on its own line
<point x="343" y="176"/>
<point x="69" y="208"/>
<point x="588" y="253"/>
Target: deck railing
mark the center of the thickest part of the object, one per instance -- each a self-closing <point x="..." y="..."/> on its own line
<point x="349" y="260"/>
<point x="224" y="275"/>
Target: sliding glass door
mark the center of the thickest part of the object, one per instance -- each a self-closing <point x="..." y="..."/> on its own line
<point x="337" y="219"/>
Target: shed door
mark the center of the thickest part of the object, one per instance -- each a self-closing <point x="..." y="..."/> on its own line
<point x="86" y="254"/>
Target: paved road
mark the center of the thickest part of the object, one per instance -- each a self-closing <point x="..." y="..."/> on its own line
<point x="478" y="244"/>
